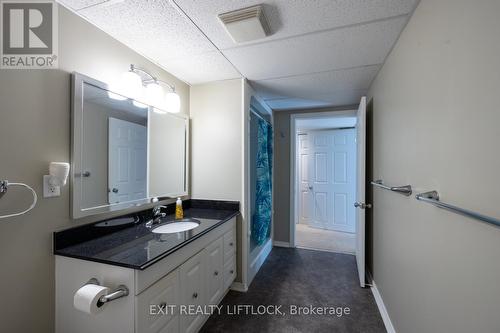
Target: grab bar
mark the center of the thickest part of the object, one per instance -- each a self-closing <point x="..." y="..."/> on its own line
<point x="432" y="197"/>
<point x="404" y="190"/>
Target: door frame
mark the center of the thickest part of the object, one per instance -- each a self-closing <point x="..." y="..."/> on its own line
<point x="350" y="112"/>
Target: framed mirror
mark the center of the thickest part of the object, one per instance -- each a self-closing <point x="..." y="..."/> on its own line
<point x="124" y="153"/>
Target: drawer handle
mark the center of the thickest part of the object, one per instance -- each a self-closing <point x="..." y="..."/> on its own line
<point x="216" y="273"/>
<point x="231" y="271"/>
<point x="195" y="295"/>
<point x="231" y="244"/>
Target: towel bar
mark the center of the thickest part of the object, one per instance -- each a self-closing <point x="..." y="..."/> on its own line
<point x="404" y="190"/>
<point x="432" y="197"/>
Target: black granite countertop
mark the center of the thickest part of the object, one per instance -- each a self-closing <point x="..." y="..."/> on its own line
<point x="126" y="241"/>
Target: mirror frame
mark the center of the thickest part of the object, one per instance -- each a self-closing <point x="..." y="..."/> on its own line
<point x="78" y="82"/>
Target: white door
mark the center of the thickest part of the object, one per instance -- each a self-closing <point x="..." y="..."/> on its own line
<point x="305" y="188"/>
<point x="127" y="161"/>
<point x="332" y="179"/>
<point x="360" y="193"/>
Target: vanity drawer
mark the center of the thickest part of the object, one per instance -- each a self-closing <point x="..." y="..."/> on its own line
<point x="163" y="293"/>
<point x="229" y="244"/>
<point x="229" y="272"/>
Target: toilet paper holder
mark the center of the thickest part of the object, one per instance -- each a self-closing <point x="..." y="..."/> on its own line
<point x="119" y="292"/>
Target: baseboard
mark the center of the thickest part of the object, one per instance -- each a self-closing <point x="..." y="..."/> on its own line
<point x="281" y="244"/>
<point x="381" y="306"/>
<point x="238" y="286"/>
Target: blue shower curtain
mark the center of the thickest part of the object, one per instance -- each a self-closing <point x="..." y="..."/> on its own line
<point x="261" y="220"/>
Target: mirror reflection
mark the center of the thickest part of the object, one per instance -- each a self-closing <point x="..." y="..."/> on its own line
<point x="130" y="152"/>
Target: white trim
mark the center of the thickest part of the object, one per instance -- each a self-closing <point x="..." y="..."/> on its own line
<point x="259" y="260"/>
<point x="323" y="250"/>
<point x="238" y="286"/>
<point x="293" y="160"/>
<point x="281" y="244"/>
<point x="381" y="306"/>
<point x="245" y="191"/>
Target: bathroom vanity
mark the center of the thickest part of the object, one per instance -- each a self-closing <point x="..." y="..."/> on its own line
<point x="136" y="270"/>
<point x="171" y="278"/>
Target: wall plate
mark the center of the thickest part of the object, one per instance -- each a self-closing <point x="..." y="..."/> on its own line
<point x="50" y="191"/>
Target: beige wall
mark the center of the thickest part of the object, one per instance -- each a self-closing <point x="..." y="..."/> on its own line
<point x="217" y="140"/>
<point x="34" y="130"/>
<point x="281" y="172"/>
<point x="218" y="112"/>
<point x="436" y="126"/>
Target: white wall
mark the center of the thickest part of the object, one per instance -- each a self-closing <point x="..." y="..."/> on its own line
<point x="436" y="126"/>
<point x="34" y="130"/>
<point x="217" y="140"/>
<point x="220" y="151"/>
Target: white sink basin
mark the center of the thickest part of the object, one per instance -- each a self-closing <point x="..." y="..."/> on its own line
<point x="172" y="228"/>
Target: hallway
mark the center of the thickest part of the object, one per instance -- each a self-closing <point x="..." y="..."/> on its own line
<point x="324" y="240"/>
<point x="302" y="278"/>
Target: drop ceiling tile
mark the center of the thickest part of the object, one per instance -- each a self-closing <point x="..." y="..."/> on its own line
<point x="293" y="17"/>
<point x="335" y="98"/>
<point x="79" y="4"/>
<point x="155" y="29"/>
<point x="317" y="84"/>
<point x="336" y="49"/>
<point x="201" y="68"/>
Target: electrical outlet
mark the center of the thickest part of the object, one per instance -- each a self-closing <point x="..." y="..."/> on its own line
<point x="50" y="191"/>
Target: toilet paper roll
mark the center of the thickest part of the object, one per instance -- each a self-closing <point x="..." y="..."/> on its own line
<point x="86" y="299"/>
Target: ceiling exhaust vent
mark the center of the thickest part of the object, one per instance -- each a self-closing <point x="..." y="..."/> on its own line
<point x="244" y="25"/>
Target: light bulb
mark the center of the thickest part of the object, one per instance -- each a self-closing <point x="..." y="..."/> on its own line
<point x="172" y="102"/>
<point x="154" y="95"/>
<point x="131" y="85"/>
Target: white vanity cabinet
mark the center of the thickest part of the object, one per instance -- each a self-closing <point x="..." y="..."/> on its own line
<point x="162" y="293"/>
<point x="193" y="291"/>
<point x="197" y="275"/>
<point x="215" y="271"/>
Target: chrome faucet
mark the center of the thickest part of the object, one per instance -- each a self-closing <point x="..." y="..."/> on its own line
<point x="157" y="216"/>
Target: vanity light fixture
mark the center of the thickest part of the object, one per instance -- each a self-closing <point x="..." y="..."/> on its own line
<point x="146" y="91"/>
<point x="131" y="84"/>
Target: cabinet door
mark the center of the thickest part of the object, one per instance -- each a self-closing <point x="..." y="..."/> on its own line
<point x="156" y="307"/>
<point x="215" y="271"/>
<point x="229" y="272"/>
<point x="193" y="292"/>
<point x="229" y="244"/>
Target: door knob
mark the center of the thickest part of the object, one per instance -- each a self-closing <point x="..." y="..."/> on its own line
<point x="115" y="190"/>
<point x="310" y="187"/>
<point x="362" y="205"/>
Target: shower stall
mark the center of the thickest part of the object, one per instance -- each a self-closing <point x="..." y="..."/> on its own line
<point x="260" y="184"/>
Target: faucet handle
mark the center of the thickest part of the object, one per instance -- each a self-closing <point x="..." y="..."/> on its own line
<point x="157" y="211"/>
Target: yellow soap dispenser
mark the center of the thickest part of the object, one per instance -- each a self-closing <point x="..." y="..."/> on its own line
<point x="179" y="212"/>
